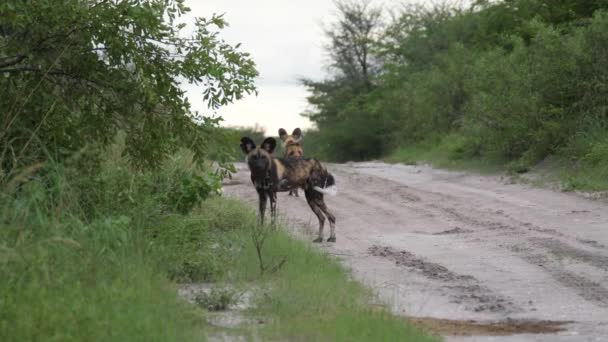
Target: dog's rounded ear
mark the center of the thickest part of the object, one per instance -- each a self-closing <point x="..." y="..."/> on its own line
<point x="247" y="145"/>
<point x="297" y="134"/>
<point x="282" y="134"/>
<point x="269" y="145"/>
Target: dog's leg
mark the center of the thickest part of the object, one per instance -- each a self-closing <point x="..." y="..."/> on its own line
<point x="262" y="203"/>
<point x="273" y="207"/>
<point x="310" y="198"/>
<point x="332" y="219"/>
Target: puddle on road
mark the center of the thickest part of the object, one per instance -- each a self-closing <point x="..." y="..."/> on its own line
<point x="447" y="327"/>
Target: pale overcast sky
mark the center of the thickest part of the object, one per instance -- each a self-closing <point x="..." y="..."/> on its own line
<point x="285" y="39"/>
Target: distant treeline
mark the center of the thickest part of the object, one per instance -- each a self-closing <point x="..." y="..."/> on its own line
<point x="513" y="80"/>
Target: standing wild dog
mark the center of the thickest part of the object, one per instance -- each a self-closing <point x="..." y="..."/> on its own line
<point x="270" y="175"/>
<point x="292" y="148"/>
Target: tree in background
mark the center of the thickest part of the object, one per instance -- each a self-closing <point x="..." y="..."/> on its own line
<point x="339" y="105"/>
<point x="351" y="40"/>
<point x="74" y="73"/>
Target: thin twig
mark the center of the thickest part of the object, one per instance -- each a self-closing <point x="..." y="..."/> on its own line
<point x="279" y="265"/>
<point x="36" y="130"/>
<point x="12" y="120"/>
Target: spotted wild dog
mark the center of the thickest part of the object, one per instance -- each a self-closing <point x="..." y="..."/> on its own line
<point x="270" y="175"/>
<point x="292" y="148"/>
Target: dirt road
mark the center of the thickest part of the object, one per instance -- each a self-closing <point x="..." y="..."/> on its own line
<point x="456" y="246"/>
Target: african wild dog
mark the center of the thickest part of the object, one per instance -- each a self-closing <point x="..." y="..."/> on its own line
<point x="292" y="148"/>
<point x="270" y="175"/>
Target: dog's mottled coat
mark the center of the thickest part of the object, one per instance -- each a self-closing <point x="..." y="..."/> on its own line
<point x="292" y="148"/>
<point x="270" y="175"/>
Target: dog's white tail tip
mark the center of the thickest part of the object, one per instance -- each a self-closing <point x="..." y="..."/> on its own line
<point x="330" y="190"/>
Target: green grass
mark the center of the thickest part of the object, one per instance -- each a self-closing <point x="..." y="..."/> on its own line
<point x="74" y="281"/>
<point x="586" y="178"/>
<point x="448" y="153"/>
<point x="590" y="170"/>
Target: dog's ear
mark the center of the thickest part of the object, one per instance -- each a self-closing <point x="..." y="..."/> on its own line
<point x="247" y="145"/>
<point x="269" y="144"/>
<point x="282" y="134"/>
<point x="297" y="134"/>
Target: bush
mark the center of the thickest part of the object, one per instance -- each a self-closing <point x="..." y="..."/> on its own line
<point x="519" y="99"/>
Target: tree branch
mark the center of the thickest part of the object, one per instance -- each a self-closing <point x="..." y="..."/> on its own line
<point x="59" y="73"/>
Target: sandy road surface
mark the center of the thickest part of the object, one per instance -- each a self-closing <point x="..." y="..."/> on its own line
<point x="452" y="245"/>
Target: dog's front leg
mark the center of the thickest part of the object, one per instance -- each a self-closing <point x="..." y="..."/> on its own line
<point x="273" y="206"/>
<point x="262" y="203"/>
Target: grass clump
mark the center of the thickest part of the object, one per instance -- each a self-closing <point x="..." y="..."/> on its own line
<point x="217" y="299"/>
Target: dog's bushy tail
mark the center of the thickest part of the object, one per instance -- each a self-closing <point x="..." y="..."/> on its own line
<point x="323" y="181"/>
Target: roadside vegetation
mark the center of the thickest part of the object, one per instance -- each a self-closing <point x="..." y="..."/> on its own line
<point x="495" y="84"/>
<point x="110" y="188"/>
<point x="101" y="258"/>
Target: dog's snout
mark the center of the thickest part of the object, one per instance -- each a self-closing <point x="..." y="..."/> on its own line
<point x="260" y="162"/>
